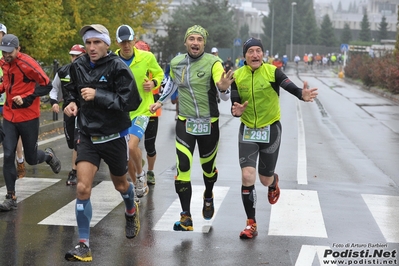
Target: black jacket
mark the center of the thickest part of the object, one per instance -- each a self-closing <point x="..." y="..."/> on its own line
<point x="116" y="94"/>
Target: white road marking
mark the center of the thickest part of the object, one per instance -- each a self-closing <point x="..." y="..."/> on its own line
<point x="172" y="214"/>
<point x="302" y="159"/>
<point x="297" y="213"/>
<point x="384" y="209"/>
<point x="104" y="198"/>
<point x="307" y="254"/>
<point x="27" y="186"/>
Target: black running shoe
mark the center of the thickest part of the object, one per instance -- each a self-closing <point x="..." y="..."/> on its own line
<point x="54" y="163"/>
<point x="208" y="208"/>
<point x="81" y="252"/>
<point x="132" y="227"/>
<point x="185" y="223"/>
<point x="10" y="203"/>
<point x="72" y="178"/>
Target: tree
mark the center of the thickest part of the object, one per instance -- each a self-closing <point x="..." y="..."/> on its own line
<point x="39" y="27"/>
<point x="310" y="31"/>
<point x="339" y="9"/>
<point x="365" y="32"/>
<point x="215" y="16"/>
<point x="346" y="35"/>
<point x="244" y="32"/>
<point x="396" y="51"/>
<point x="47" y="29"/>
<point x="383" y="29"/>
<point x="327" y="36"/>
<point x="305" y="30"/>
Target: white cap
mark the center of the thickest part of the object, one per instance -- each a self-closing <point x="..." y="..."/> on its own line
<point x="214" y="50"/>
<point x="3" y="28"/>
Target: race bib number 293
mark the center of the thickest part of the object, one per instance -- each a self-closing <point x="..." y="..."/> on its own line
<point x="256" y="134"/>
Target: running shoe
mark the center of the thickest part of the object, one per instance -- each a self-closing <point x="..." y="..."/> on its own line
<point x="250" y="230"/>
<point x="21" y="172"/>
<point x="132" y="227"/>
<point x="141" y="187"/>
<point x="185" y="223"/>
<point x="72" y="178"/>
<point x="208" y="208"/>
<point x="274" y="192"/>
<point x="54" y="163"/>
<point x="81" y="252"/>
<point x="150" y="178"/>
<point x="10" y="203"/>
<point x="136" y="199"/>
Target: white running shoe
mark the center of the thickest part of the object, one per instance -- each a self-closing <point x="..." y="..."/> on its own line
<point x="141" y="187"/>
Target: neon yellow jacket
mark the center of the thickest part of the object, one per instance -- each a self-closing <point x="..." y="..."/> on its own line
<point x="263" y="102"/>
<point x="143" y="63"/>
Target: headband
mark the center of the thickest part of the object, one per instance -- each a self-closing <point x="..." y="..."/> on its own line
<point x="196" y="29"/>
<point x="95" y="34"/>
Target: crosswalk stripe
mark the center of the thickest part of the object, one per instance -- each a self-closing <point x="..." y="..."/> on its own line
<point x="104" y="198"/>
<point x="302" y="159"/>
<point x="307" y="254"/>
<point x="27" y="186"/>
<point x="172" y="214"/>
<point x="297" y="213"/>
<point x="384" y="209"/>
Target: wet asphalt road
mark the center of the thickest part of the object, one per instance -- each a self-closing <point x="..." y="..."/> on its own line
<point x="338" y="169"/>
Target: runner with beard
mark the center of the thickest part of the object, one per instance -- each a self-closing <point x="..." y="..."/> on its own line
<point x="199" y="77"/>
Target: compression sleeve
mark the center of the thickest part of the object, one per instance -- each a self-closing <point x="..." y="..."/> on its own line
<point x="284" y="82"/>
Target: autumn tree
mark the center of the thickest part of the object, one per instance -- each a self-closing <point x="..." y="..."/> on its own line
<point x="47" y="29"/>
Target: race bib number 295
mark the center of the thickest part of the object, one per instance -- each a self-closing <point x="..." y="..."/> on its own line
<point x="198" y="127"/>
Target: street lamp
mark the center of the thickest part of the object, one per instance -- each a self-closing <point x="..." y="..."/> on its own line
<point x="292" y="27"/>
<point x="271" y="46"/>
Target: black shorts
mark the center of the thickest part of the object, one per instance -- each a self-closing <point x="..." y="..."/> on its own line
<point x="267" y="152"/>
<point x="115" y="153"/>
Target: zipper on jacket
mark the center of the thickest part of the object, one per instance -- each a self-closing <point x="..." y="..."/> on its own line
<point x="253" y="99"/>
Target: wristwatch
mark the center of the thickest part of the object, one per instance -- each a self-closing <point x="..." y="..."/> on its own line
<point x="155" y="83"/>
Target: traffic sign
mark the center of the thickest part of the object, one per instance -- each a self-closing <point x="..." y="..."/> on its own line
<point x="237" y="42"/>
<point x="344" y="47"/>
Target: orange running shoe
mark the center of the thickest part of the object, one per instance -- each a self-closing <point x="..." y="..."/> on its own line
<point x="274" y="192"/>
<point x="250" y="230"/>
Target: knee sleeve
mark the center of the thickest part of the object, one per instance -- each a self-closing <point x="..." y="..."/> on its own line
<point x="182" y="186"/>
<point x="212" y="179"/>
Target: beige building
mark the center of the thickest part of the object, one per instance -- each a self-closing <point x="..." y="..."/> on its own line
<point x="376" y="9"/>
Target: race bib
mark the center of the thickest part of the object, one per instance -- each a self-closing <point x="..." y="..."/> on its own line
<point x="256" y="134"/>
<point x="141" y="122"/>
<point x="103" y="139"/>
<point x="198" y="126"/>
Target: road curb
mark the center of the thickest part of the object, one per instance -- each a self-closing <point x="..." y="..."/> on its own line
<point x="50" y="126"/>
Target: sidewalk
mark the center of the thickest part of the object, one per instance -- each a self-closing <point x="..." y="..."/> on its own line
<point x="48" y="120"/>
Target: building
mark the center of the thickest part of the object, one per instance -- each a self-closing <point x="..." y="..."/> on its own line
<point x="375" y="9"/>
